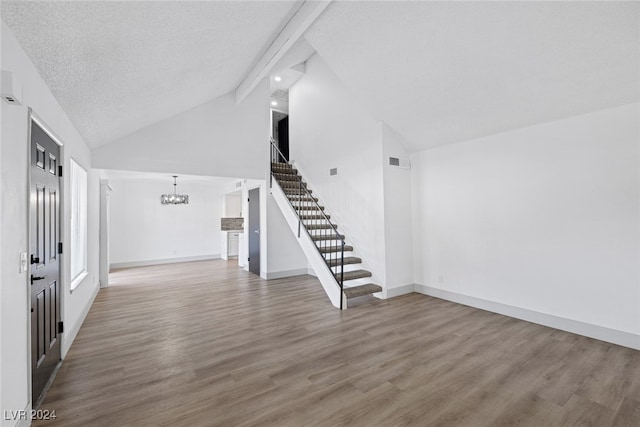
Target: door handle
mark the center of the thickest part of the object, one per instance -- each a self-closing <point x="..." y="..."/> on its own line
<point x="35" y="259"/>
<point x="34" y="278"/>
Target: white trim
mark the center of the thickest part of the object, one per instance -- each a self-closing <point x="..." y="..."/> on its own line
<point x="311" y="272"/>
<point x="144" y="263"/>
<point x="70" y="334"/>
<point x="287" y="273"/>
<point x="78" y="279"/>
<point x="602" y="333"/>
<point x="34" y="117"/>
<point x="400" y="290"/>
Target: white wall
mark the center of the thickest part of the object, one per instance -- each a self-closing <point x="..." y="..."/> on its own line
<point x="233" y="205"/>
<point x="219" y="138"/>
<point x="284" y="255"/>
<point x="544" y="218"/>
<point x="397" y="215"/>
<point x="143" y="231"/>
<point x="14" y="292"/>
<point x="329" y="129"/>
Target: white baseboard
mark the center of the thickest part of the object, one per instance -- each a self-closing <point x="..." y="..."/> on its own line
<point x="602" y="333"/>
<point x="162" y="261"/>
<point x="70" y="335"/>
<point x="311" y="272"/>
<point x="286" y="273"/>
<point x="400" y="290"/>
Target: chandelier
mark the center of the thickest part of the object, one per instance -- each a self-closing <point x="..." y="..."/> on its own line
<point x="175" y="198"/>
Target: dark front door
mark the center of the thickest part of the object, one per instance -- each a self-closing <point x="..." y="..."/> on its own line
<point x="45" y="260"/>
<point x="254" y="231"/>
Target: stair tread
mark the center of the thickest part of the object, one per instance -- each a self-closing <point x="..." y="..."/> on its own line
<point x="329" y="236"/>
<point x="281" y="166"/>
<point x="319" y="226"/>
<point x="353" y="275"/>
<point x="347" y="260"/>
<point x="294" y="191"/>
<point x="295" y="197"/>
<point x="286" y="176"/>
<point x="291" y="184"/>
<point x="361" y="290"/>
<point x="309" y="208"/>
<point x="329" y="249"/>
<point x="303" y="217"/>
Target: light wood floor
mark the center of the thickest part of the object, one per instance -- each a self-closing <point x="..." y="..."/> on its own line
<point x="207" y="344"/>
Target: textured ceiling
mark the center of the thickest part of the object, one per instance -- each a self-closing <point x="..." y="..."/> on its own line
<point x="441" y="72"/>
<point x="116" y="67"/>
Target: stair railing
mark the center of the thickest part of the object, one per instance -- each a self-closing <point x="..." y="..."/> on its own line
<point x="317" y="219"/>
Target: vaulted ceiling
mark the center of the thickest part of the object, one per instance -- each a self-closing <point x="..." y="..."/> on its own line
<point x="441" y="72"/>
<point x="436" y="72"/>
<point x="116" y="67"/>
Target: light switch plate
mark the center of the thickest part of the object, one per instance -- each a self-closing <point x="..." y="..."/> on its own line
<point x="23" y="262"/>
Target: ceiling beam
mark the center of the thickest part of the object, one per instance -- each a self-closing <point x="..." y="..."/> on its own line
<point x="301" y="20"/>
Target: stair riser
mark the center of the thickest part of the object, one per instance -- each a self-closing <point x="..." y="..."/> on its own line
<point x="328" y="250"/>
<point x="287" y="177"/>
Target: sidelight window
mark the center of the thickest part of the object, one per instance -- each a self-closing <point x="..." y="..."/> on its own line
<point x="78" y="250"/>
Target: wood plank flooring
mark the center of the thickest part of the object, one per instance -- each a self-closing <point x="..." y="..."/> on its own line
<point x="207" y="344"/>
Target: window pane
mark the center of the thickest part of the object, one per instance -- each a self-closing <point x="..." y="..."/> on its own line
<point x="78" y="250"/>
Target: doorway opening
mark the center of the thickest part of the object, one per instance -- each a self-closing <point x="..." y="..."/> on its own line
<point x="280" y="132"/>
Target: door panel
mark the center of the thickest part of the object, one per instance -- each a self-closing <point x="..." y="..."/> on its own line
<point x="254" y="231"/>
<point x="52" y="226"/>
<point x="40" y="213"/>
<point x="45" y="269"/>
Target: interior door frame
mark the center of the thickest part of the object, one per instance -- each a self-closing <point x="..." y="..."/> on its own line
<point x="260" y="214"/>
<point x="34" y="118"/>
<point x="104" y="242"/>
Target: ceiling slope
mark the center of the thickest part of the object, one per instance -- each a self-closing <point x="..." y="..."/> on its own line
<point x="442" y="72"/>
<point x="116" y="67"/>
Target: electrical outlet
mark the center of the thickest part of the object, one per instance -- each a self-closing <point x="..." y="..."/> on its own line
<point x="24" y="264"/>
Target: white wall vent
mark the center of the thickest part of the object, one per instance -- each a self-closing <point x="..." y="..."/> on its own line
<point x="401" y="163"/>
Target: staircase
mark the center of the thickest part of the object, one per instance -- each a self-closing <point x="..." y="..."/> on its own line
<point x="315" y="222"/>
